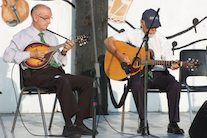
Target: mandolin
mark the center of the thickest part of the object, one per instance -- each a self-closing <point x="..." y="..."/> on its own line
<point x="33" y="63"/>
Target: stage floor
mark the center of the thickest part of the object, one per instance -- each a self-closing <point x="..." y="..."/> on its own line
<point x="109" y="126"/>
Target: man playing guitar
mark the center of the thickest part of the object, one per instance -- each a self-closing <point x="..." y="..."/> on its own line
<point x="160" y="75"/>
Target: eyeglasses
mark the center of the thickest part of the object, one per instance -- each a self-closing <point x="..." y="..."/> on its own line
<point x="45" y="19"/>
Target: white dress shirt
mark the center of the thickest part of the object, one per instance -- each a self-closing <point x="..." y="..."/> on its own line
<point x="15" y="53"/>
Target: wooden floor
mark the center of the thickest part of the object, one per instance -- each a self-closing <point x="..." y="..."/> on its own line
<point x="108" y="126"/>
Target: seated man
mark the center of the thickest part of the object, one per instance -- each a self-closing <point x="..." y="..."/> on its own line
<point x="160" y="78"/>
<point x="53" y="76"/>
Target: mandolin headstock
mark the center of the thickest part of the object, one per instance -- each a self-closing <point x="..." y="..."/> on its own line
<point x="82" y="39"/>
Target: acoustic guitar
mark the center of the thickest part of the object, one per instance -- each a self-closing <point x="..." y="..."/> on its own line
<point x="113" y="68"/>
<point x="33" y="63"/>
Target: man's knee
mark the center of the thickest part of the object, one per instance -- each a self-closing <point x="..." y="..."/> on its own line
<point x="176" y="86"/>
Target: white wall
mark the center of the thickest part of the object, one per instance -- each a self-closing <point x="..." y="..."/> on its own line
<point x="175" y="15"/>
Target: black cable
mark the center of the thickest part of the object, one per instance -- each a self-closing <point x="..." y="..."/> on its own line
<point x="58" y="35"/>
<point x="114" y="128"/>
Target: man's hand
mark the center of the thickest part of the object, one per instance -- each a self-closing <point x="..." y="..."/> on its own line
<point x="175" y="66"/>
<point x="37" y="54"/>
<point x="67" y="47"/>
<point x="122" y="57"/>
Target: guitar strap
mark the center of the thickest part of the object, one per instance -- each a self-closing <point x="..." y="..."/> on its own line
<point x="123" y="98"/>
<point x="126" y="90"/>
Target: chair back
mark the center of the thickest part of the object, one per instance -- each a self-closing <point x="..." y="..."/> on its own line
<point x="23" y="75"/>
<point x="194" y="54"/>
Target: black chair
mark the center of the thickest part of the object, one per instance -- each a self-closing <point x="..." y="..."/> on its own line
<point x="30" y="91"/>
<point x="2" y="125"/>
<point x="194" y="55"/>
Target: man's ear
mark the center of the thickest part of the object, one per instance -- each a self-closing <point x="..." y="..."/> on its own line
<point x="35" y="18"/>
<point x="141" y="22"/>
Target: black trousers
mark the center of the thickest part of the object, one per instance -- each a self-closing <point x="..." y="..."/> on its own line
<point x="164" y="81"/>
<point x="64" y="85"/>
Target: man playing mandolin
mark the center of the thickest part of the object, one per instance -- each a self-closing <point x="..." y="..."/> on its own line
<point x="159" y="76"/>
<point x="52" y="76"/>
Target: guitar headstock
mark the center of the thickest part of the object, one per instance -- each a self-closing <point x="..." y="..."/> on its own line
<point x="191" y="64"/>
<point x="82" y="39"/>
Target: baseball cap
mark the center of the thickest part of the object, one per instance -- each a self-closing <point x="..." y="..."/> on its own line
<point x="148" y="17"/>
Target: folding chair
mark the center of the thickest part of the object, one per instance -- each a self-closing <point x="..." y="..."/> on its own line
<point x="152" y="90"/>
<point x="30" y="91"/>
<point x="194" y="55"/>
<point x="2" y="125"/>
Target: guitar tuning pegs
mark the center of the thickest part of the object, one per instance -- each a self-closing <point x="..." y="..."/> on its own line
<point x="189" y="59"/>
<point x="192" y="69"/>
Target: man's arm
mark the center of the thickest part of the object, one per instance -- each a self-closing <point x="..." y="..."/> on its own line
<point x="13" y="54"/>
<point x="110" y="44"/>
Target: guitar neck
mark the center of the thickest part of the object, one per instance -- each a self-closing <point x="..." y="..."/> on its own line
<point x="160" y="62"/>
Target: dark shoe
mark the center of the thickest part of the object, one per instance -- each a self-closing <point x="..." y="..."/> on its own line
<point x="70" y="132"/>
<point x="84" y="130"/>
<point x="142" y="129"/>
<point x="174" y="128"/>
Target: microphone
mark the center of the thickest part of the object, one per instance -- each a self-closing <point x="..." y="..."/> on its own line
<point x="195" y="22"/>
<point x="125" y="67"/>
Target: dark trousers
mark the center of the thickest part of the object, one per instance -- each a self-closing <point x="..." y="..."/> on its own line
<point x="164" y="81"/>
<point x="64" y="85"/>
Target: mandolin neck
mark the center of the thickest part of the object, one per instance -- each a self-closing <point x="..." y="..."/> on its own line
<point x="55" y="48"/>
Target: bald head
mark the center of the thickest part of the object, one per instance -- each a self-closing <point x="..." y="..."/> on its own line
<point x="38" y="8"/>
<point x="41" y="15"/>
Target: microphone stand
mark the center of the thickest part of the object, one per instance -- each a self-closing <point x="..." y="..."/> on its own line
<point x="97" y="68"/>
<point x="145" y="40"/>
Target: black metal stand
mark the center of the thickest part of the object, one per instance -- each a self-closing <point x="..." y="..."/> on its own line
<point x="97" y="68"/>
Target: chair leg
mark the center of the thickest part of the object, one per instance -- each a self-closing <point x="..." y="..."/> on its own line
<point x="122" y="120"/>
<point x="17" y="111"/>
<point x="42" y="113"/>
<point x="3" y="128"/>
<point x="52" y="115"/>
<point x="189" y="101"/>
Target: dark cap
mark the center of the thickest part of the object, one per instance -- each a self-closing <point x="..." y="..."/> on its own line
<point x="148" y="17"/>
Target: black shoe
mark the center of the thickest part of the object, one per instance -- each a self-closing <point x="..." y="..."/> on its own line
<point x="70" y="132"/>
<point x="84" y="130"/>
<point x="174" y="128"/>
<point x="142" y="129"/>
